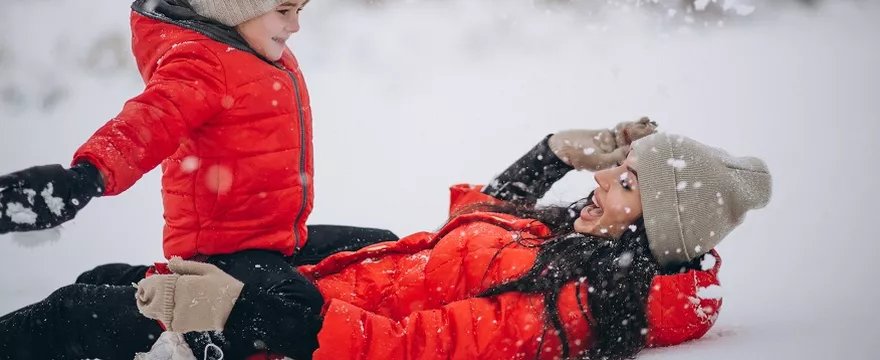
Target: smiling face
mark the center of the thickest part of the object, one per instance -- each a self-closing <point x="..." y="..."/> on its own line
<point x="267" y="34"/>
<point x="615" y="204"/>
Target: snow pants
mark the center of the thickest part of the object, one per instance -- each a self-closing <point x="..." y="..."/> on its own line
<point x="97" y="317"/>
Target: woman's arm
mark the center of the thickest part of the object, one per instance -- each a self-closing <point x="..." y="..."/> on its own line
<point x="530" y="177"/>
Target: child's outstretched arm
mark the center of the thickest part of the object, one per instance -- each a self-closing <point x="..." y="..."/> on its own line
<point x="184" y="92"/>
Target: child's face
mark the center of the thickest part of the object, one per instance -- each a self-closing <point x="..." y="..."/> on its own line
<point x="268" y="33"/>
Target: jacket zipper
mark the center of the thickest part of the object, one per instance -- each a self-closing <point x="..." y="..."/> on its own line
<point x="302" y="157"/>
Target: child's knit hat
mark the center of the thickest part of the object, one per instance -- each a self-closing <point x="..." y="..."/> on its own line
<point x="233" y="12"/>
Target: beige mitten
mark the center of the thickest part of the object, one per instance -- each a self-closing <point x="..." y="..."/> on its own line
<point x="197" y="297"/>
<point x="599" y="149"/>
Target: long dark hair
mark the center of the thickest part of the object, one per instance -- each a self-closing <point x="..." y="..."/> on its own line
<point x="617" y="275"/>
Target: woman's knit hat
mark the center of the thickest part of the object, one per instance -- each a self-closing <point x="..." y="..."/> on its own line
<point x="693" y="195"/>
<point x="233" y="12"/>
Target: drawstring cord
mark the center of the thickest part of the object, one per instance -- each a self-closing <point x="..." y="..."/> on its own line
<point x="215" y="347"/>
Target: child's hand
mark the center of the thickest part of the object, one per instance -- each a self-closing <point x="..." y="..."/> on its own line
<point x="44" y="197"/>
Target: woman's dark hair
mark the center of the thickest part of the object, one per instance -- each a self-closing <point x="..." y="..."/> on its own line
<point x="617" y="274"/>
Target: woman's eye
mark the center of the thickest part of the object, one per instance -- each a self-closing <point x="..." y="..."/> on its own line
<point x="283" y="12"/>
<point x="625" y="184"/>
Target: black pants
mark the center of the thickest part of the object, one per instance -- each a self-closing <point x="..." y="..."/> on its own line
<point x="97" y="316"/>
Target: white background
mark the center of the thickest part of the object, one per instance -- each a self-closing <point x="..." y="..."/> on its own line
<point x="412" y="98"/>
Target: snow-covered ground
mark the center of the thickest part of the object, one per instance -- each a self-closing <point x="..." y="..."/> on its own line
<point x="410" y="99"/>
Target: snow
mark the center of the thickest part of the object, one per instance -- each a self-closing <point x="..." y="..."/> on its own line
<point x="189" y="164"/>
<point x="437" y="93"/>
<point x="21" y="214"/>
<point x="708" y="262"/>
<point x="710" y="292"/>
<point x="676" y="163"/>
<point x="31" y="193"/>
<point x="55" y="204"/>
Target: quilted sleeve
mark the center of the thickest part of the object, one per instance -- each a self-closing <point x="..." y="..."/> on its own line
<point x="684" y="307"/>
<point x="186" y="90"/>
<point x="464" y="195"/>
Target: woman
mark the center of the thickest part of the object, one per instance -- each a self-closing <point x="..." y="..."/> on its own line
<point x="503" y="279"/>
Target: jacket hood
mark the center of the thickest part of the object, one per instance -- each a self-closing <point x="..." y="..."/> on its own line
<point x="179" y="13"/>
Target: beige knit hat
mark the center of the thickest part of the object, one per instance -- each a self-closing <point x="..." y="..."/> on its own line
<point x="694" y="195"/>
<point x="233" y="12"/>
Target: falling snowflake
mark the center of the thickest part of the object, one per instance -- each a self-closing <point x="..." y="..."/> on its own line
<point x="189" y="164"/>
<point x="625" y="259"/>
<point x="218" y="179"/>
<point x="676" y="163"/>
<point x="227" y="102"/>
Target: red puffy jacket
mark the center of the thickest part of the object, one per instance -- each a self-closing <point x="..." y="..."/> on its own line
<point x="233" y="134"/>
<point x="415" y="298"/>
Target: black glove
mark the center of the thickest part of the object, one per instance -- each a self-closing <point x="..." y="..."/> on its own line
<point x="44" y="197"/>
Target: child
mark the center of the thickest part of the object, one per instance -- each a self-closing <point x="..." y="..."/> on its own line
<point x="226" y="113"/>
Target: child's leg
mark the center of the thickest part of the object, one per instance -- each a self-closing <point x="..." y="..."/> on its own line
<point x="79" y="321"/>
<point x="326" y="240"/>
<point x="113" y="274"/>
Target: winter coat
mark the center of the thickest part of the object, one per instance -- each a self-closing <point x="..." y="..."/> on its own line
<point x="416" y="298"/>
<point x="232" y="131"/>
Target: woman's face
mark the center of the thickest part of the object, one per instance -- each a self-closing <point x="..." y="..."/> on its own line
<point x="616" y="203"/>
<point x="267" y="34"/>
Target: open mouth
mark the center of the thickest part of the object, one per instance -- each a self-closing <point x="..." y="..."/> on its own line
<point x="594" y="209"/>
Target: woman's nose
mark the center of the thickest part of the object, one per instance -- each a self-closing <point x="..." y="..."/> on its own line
<point x="601" y="178"/>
